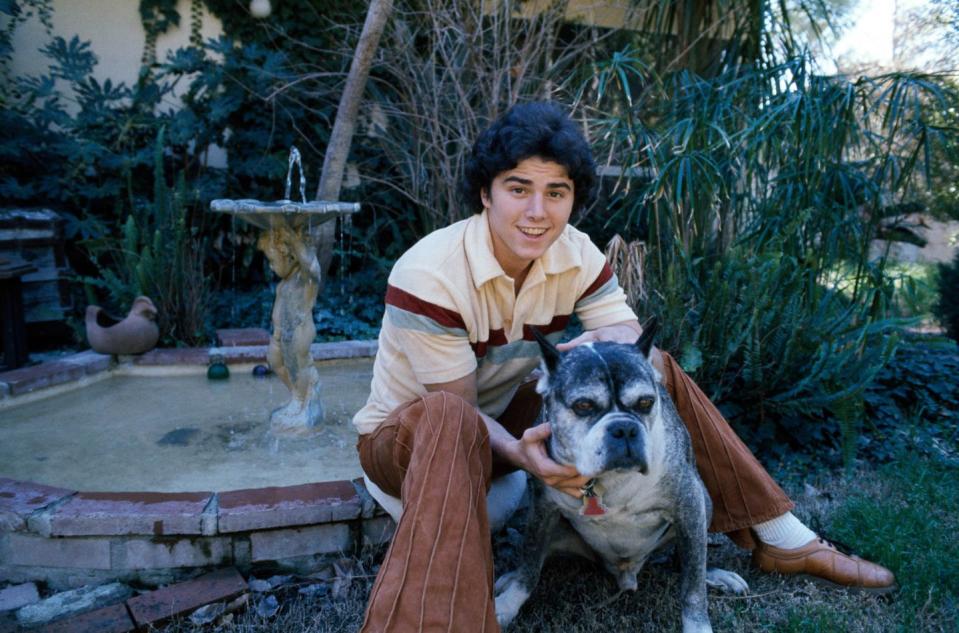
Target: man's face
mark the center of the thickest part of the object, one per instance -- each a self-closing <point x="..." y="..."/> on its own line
<point x="528" y="208"/>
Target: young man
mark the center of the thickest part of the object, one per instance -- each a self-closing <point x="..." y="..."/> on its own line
<point x="451" y="407"/>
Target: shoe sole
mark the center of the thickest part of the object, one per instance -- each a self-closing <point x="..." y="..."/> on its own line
<point x="828" y="584"/>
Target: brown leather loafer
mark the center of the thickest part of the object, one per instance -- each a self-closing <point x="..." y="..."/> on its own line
<point x="820" y="561"/>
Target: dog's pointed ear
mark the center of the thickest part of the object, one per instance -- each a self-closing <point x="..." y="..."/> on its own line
<point x="549" y="351"/>
<point x="645" y="342"/>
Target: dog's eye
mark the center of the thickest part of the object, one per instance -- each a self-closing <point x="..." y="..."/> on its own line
<point x="644" y="405"/>
<point x="584" y="407"/>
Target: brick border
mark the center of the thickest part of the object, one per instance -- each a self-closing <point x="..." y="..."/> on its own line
<point x="68" y="538"/>
<point x="73" y="368"/>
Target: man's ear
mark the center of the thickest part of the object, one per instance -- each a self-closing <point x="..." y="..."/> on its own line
<point x="484" y="197"/>
<point x="549" y="351"/>
<point x="645" y="342"/>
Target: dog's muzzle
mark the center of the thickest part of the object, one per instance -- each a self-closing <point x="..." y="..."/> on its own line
<point x="625" y="444"/>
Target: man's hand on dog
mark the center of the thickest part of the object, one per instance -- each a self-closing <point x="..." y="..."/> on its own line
<point x="626" y="332"/>
<point x="532" y="457"/>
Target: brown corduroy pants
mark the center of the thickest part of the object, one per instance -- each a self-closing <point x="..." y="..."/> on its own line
<point x="434" y="454"/>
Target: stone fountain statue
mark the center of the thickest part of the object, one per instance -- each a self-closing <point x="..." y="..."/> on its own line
<point x="289" y="242"/>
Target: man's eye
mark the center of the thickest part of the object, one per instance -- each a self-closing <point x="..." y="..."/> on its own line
<point x="644" y="405"/>
<point x="583" y="407"/>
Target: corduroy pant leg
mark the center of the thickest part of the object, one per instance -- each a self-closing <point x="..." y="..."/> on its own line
<point x="434" y="454"/>
<point x="742" y="492"/>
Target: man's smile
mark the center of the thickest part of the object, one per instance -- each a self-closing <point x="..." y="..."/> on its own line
<point x="532" y="232"/>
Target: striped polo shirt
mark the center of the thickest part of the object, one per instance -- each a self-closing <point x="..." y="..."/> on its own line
<point x="451" y="310"/>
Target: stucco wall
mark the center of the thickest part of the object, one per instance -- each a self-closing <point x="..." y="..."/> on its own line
<point x="114" y="30"/>
<point x="116" y="36"/>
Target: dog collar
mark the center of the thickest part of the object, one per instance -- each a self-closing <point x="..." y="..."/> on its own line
<point x="592" y="499"/>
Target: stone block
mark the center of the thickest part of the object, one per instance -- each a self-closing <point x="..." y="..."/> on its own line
<point x="343" y="349"/>
<point x="239" y="355"/>
<point x="112" y="619"/>
<point x="263" y="508"/>
<point x="28" y="379"/>
<point x="242" y="337"/>
<point x="73" y="602"/>
<point x="121" y="513"/>
<point x="174" y="356"/>
<point x="16" y="596"/>
<point x="90" y="361"/>
<point x="318" y="539"/>
<point x="23" y="549"/>
<point x="172" y="552"/>
<point x="378" y="530"/>
<point x="19" y="499"/>
<point x="160" y="605"/>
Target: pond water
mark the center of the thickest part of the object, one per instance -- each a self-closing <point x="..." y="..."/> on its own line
<point x="182" y="433"/>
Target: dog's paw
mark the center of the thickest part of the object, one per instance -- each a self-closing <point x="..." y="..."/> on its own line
<point x="511" y="594"/>
<point x="696" y="624"/>
<point x="726" y="580"/>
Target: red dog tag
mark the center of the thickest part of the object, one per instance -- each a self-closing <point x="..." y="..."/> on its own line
<point x="592" y="501"/>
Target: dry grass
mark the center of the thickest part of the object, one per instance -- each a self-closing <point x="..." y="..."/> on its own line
<point x="874" y="511"/>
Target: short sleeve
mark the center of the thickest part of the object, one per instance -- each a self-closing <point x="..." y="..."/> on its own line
<point x="601" y="302"/>
<point x="432" y="337"/>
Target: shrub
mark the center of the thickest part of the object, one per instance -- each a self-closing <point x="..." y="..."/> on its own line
<point x="947" y="306"/>
<point x="160" y="255"/>
<point x="913" y="403"/>
<point x="757" y="205"/>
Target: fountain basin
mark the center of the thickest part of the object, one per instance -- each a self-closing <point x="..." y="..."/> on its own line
<point x="93" y="527"/>
<point x="266" y="215"/>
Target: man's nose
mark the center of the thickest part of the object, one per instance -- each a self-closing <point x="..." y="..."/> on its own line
<point x="535" y="208"/>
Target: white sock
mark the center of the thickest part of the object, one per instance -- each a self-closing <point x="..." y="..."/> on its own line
<point x="784" y="532"/>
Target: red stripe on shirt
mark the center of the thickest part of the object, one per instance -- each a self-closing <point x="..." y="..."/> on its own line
<point x="497" y="338"/>
<point x="411" y="303"/>
<point x="604" y="275"/>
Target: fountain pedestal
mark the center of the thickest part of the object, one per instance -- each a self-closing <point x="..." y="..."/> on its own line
<point x="289" y="242"/>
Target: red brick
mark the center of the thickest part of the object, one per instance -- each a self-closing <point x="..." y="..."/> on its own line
<point x="176" y="356"/>
<point x="242" y="337"/>
<point x="22" y="549"/>
<point x="270" y="545"/>
<point x="112" y="619"/>
<point x="113" y="513"/>
<point x="181" y="598"/>
<point x="19" y="499"/>
<point x="260" y="508"/>
<point x="27" y="379"/>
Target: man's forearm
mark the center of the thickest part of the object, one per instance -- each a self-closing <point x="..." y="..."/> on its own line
<point x="501" y="442"/>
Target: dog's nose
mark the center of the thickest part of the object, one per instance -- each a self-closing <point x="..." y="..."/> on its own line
<point x="625" y="446"/>
<point x="623" y="430"/>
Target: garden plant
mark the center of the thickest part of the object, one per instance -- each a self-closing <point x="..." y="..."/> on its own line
<point x="743" y="192"/>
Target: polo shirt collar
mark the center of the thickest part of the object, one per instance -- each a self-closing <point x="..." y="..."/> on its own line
<point x="561" y="256"/>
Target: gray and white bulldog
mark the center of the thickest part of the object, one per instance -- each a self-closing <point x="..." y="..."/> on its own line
<point x="613" y="420"/>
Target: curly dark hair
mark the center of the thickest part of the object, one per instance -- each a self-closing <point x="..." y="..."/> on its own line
<point x="541" y="129"/>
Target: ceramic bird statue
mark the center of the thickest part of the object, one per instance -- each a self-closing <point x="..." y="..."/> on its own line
<point x="135" y="334"/>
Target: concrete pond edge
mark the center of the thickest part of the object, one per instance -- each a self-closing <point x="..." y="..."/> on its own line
<point x="67" y="538"/>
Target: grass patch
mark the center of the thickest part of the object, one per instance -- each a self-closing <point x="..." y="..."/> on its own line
<point x="908" y="517"/>
<point x="904" y="515"/>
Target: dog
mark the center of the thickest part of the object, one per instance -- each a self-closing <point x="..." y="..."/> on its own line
<point x="613" y="420"/>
